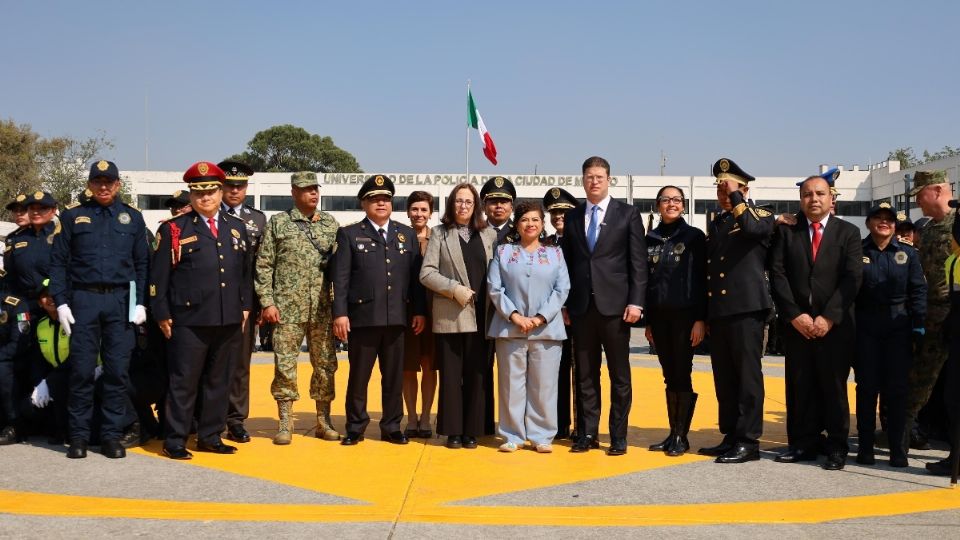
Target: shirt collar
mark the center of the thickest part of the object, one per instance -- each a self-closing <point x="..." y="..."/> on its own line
<point x="602" y="204"/>
<point x="386" y="226"/>
<point x="823" y="222"/>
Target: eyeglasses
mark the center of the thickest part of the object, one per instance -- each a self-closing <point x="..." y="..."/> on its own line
<point x="463" y="202"/>
<point x="674" y="200"/>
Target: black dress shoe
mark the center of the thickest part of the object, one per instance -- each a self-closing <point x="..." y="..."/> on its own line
<point x="394" y="437"/>
<point x="351" y="439"/>
<point x="177" y="452"/>
<point x="740" y="453"/>
<point x="563" y="433"/>
<point x="424" y="433"/>
<point x="216" y="448"/>
<point x="717" y="450"/>
<point x="238" y="433"/>
<point x="469" y="442"/>
<point x="113" y="448"/>
<point x="835" y="461"/>
<point x="585" y="443"/>
<point x="618" y="447"/>
<point x="795" y="456"/>
<point x="411" y="432"/>
<point x="78" y="449"/>
<point x="944" y="467"/>
<point x="454" y="442"/>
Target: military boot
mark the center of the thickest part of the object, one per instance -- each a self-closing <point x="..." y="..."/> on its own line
<point x="284" y="432"/>
<point x="325" y="429"/>
<point x="672" y="417"/>
<point x="686" y="403"/>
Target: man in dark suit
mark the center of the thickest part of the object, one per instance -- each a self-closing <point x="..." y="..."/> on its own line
<point x="376" y="289"/>
<point x="737" y="305"/>
<point x="603" y="244"/>
<point x="234" y="195"/>
<point x="200" y="287"/>
<point x="815" y="272"/>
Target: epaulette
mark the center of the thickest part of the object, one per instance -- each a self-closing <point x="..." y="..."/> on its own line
<point x="238" y="218"/>
<point x="72" y="205"/>
<point x="12" y="300"/>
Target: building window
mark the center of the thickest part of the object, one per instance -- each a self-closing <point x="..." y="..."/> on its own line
<point x="275" y="202"/>
<point x="340" y="203"/>
<point x="853" y="208"/>
<point x="400" y="203"/>
<point x="151" y="202"/>
<point x="650" y="205"/>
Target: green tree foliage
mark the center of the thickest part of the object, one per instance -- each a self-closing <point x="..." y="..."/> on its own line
<point x="18" y="166"/>
<point x="905" y="156"/>
<point x="289" y="148"/>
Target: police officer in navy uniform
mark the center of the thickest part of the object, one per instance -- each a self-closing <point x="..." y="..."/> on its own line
<point x="557" y="202"/>
<point x="737" y="308"/>
<point x="234" y="193"/>
<point x="27" y="255"/>
<point x="498" y="195"/>
<point x="200" y="287"/>
<point x="98" y="277"/>
<point x="377" y="292"/>
<point x="891" y="308"/>
<point x="14" y="342"/>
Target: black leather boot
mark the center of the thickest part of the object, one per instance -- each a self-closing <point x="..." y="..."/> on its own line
<point x="672" y="417"/>
<point x="686" y="403"/>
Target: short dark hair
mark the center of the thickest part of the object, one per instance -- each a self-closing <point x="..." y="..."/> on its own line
<point x="595" y="161"/>
<point x="814" y="177"/>
<point x="656" y="199"/>
<point x="420" y="196"/>
<point x="526" y="206"/>
<point x="449" y="218"/>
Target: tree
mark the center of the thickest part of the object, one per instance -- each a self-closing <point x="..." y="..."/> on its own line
<point x="18" y="166"/>
<point x="63" y="163"/>
<point x="289" y="148"/>
<point x="904" y="156"/>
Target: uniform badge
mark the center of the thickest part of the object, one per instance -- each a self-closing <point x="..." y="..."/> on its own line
<point x="38" y="195"/>
<point x="763" y="213"/>
<point x="102" y="165"/>
<point x="679" y="249"/>
<point x="235" y="233"/>
<point x="900" y="257"/>
<point x="21" y="197"/>
<point x="177" y="193"/>
<point x="124" y="218"/>
<point x="188" y="240"/>
<point x="19" y="245"/>
<point x="153" y="290"/>
<point x="203" y="169"/>
<point x="724" y="165"/>
<point x="866" y="260"/>
<point x="555" y="193"/>
<point x="656" y="258"/>
<point x="498" y="182"/>
<point x="3" y="317"/>
<point x="12" y="300"/>
<point x="359" y="246"/>
<point x="884" y="205"/>
<point x="88" y="193"/>
<point x="378" y="180"/>
<point x="401" y="237"/>
<point x="81" y="219"/>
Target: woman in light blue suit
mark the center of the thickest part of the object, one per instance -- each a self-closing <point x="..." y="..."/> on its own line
<point x="528" y="284"/>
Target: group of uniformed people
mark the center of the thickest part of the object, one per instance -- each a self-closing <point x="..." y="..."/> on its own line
<point x="82" y="287"/>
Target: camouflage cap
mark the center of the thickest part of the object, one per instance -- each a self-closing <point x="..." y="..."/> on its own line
<point x="304" y="179"/>
<point x="922" y="179"/>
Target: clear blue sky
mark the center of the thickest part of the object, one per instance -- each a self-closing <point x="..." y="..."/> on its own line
<point x="780" y="87"/>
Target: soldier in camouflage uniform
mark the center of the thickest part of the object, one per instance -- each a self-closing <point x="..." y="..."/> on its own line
<point x="933" y="192"/>
<point x="296" y="295"/>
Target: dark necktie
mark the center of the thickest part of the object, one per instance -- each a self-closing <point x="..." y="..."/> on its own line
<point x="383" y="233"/>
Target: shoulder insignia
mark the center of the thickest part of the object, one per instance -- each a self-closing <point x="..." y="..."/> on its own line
<point x="131" y="206"/>
<point x="762" y="212"/>
<point x="252" y="209"/>
<point x="57" y="228"/>
<point x="12" y="300"/>
<point x="19" y="245"/>
<point x="3" y="273"/>
<point x="74" y="204"/>
<point x="906" y="241"/>
<point x="866" y="260"/>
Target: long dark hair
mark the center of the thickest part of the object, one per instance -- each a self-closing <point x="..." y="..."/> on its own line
<point x="449" y="218"/>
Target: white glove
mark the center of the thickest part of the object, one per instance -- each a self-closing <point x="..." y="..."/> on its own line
<point x="139" y="315"/>
<point x="97" y="372"/>
<point x="66" y="318"/>
<point x="41" y="395"/>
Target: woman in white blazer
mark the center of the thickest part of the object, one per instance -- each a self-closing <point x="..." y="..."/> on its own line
<point x="528" y="285"/>
<point x="455" y="269"/>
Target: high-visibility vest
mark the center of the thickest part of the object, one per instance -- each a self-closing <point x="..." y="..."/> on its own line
<point x="54" y="343"/>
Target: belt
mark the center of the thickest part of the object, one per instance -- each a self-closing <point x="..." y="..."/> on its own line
<point x="102" y="288"/>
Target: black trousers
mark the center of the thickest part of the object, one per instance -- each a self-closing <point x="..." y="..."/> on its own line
<point x="8" y="392"/>
<point x="366" y="345"/>
<point x="671" y="333"/>
<point x="239" y="407"/>
<point x="198" y="359"/>
<point x="565" y="384"/>
<point x="816" y="381"/>
<point x="593" y="332"/>
<point x="736" y="347"/>
<point x="465" y="376"/>
<point x="884" y="355"/>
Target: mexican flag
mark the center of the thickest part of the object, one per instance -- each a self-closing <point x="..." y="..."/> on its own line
<point x="473" y="118"/>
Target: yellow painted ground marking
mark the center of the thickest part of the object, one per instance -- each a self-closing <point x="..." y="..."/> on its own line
<point x="416" y="483"/>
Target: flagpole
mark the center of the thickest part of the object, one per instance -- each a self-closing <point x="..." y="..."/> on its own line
<point x="467" y="154"/>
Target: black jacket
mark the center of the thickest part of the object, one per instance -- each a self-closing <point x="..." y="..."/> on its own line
<point x="677" y="259"/>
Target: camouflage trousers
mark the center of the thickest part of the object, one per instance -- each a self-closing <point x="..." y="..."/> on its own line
<point x="323" y="357"/>
<point x="927" y="363"/>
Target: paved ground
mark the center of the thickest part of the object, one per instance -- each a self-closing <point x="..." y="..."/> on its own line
<point x="423" y="490"/>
